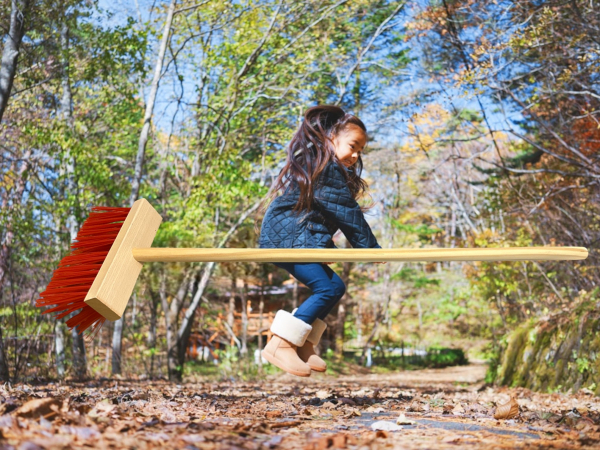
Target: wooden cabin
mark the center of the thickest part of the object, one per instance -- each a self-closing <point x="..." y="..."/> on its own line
<point x="274" y="298"/>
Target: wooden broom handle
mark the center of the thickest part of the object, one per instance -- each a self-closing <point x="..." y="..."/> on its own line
<point x="360" y="254"/>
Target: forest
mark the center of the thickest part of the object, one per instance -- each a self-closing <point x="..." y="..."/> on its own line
<point x="484" y="131"/>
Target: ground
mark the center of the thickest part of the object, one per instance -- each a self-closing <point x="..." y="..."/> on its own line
<point x="442" y="408"/>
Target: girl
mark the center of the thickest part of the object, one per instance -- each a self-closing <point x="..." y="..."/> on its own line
<point x="322" y="181"/>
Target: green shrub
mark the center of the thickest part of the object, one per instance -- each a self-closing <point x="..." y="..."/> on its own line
<point x="443" y="357"/>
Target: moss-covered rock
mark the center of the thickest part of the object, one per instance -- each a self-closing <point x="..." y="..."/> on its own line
<point x="558" y="353"/>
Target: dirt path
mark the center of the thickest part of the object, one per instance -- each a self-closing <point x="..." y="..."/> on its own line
<point x="471" y="374"/>
<point x="449" y="408"/>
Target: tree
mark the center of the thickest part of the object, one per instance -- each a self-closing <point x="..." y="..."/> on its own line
<point x="139" y="161"/>
<point x="19" y="17"/>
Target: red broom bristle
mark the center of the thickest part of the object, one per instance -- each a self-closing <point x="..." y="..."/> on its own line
<point x="76" y="272"/>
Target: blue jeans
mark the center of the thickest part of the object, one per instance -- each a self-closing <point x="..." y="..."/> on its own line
<point x="326" y="286"/>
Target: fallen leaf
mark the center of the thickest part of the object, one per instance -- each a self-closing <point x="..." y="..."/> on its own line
<point x="82" y="433"/>
<point x="376" y="410"/>
<point x="339" y="440"/>
<point x="451" y="439"/>
<point x="39" y="407"/>
<point x="322" y="394"/>
<point x="402" y="420"/>
<point x="193" y="438"/>
<point x="347" y="401"/>
<point x="102" y="409"/>
<point x="7" y="407"/>
<point x="508" y="410"/>
<point x="458" y="410"/>
<point x="352" y="412"/>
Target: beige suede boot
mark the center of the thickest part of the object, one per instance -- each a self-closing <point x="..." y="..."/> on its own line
<point x="289" y="333"/>
<point x="307" y="351"/>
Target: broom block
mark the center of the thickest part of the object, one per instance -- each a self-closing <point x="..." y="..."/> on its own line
<point x="361" y="254"/>
<point x="116" y="278"/>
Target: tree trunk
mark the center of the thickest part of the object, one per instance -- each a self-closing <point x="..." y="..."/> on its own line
<point x="59" y="348"/>
<point x="183" y="333"/>
<point x="65" y="111"/>
<point x="117" y="343"/>
<point x="295" y="295"/>
<point x="139" y="163"/>
<point x="261" y="309"/>
<point x="231" y="307"/>
<point x="151" y="337"/>
<point x="339" y="330"/>
<point x="244" y="349"/>
<point x="4" y="374"/>
<point x="79" y="359"/>
<point x="341" y="310"/>
<point x="139" y="160"/>
<point x="171" y="312"/>
<point x="379" y="317"/>
<point x="19" y="14"/>
<point x="359" y="323"/>
<point x="59" y="328"/>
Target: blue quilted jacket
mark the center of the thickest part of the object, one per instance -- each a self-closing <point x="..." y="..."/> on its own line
<point x="334" y="208"/>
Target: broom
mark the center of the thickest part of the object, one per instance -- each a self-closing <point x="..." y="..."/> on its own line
<point x="98" y="276"/>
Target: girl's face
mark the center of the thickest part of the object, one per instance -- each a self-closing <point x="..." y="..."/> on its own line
<point x="349" y="143"/>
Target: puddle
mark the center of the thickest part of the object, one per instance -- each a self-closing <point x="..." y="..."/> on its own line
<point x="367" y="419"/>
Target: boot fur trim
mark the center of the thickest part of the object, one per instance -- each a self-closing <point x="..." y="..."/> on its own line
<point x="318" y="327"/>
<point x="290" y="328"/>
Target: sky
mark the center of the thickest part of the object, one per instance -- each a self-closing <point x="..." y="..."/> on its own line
<point x="393" y="132"/>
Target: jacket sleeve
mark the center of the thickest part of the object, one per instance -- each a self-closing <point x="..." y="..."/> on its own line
<point x="335" y="201"/>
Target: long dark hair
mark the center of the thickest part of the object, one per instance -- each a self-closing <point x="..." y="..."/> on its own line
<point x="309" y="152"/>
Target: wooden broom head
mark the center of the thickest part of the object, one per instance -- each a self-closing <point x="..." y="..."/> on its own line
<point x="116" y="279"/>
<point x="98" y="276"/>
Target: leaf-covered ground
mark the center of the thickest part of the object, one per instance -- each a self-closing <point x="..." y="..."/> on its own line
<point x="446" y="408"/>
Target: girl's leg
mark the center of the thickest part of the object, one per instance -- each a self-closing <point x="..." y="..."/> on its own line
<point x="327" y="288"/>
<point x="340" y="289"/>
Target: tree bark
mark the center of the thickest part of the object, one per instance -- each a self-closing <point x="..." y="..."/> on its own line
<point x="117" y="342"/>
<point x="341" y="310"/>
<point x="59" y="348"/>
<point x="261" y="308"/>
<point x="171" y="312"/>
<point x="66" y="113"/>
<point x="244" y="349"/>
<point x="151" y="337"/>
<point x="79" y="359"/>
<point x="379" y="317"/>
<point x="4" y="373"/>
<point x="139" y="160"/>
<point x="295" y="295"/>
<point x="19" y="15"/>
<point x="231" y="306"/>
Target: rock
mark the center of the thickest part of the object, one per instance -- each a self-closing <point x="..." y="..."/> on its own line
<point x="384" y="425"/>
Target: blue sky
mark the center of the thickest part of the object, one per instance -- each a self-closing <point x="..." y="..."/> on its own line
<point x="393" y="132"/>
